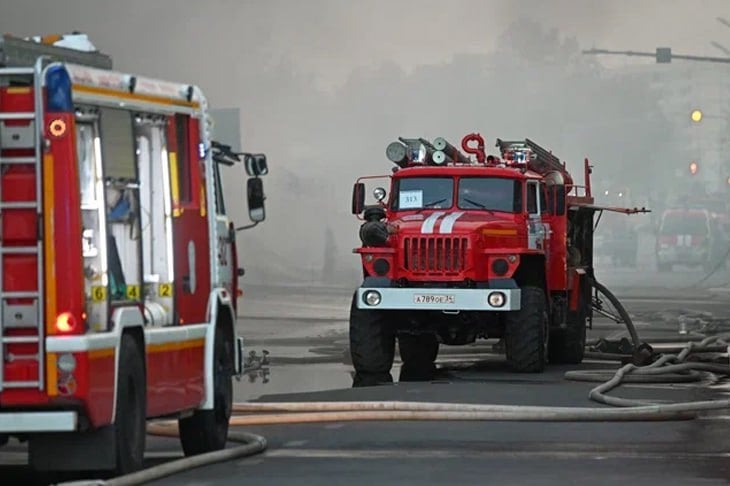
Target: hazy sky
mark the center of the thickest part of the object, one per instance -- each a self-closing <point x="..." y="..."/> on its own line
<point x="221" y="45"/>
<point x="331" y="37"/>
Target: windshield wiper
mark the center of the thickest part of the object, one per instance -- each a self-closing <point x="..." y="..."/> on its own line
<point x="477" y="204"/>
<point x="474" y="203"/>
<point x="431" y="204"/>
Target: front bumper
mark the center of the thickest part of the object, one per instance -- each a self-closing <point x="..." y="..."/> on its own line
<point x="439" y="299"/>
<point x="29" y="422"/>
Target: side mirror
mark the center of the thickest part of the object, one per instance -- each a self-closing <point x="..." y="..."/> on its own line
<point x="256" y="198"/>
<point x="256" y="165"/>
<point x="358" y="198"/>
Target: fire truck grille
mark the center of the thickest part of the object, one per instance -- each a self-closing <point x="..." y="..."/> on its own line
<point x="434" y="254"/>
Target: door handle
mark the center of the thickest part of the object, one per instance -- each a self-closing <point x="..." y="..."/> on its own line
<point x="186" y="284"/>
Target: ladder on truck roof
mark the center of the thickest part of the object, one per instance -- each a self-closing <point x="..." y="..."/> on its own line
<point x="17" y="52"/>
<point x="22" y="311"/>
<point x="544" y="160"/>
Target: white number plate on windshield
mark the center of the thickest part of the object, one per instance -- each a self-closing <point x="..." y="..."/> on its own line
<point x="434" y="299"/>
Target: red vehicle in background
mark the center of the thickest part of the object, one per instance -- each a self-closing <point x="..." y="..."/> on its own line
<point x="689" y="237"/>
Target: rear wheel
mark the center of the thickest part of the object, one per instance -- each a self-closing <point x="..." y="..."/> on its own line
<point x="418" y="353"/>
<point x="372" y="345"/>
<point x="131" y="408"/>
<point x="526" y="335"/>
<point x="207" y="430"/>
<point x="567" y="346"/>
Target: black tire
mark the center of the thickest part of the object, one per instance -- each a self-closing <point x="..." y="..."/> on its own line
<point x="418" y="353"/>
<point x="130" y="427"/>
<point x="567" y="346"/>
<point x="372" y="345"/>
<point x="525" y="332"/>
<point x="207" y="430"/>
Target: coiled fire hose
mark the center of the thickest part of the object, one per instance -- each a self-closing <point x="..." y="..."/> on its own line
<point x="666" y="368"/>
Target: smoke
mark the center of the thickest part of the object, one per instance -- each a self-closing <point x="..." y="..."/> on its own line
<point x="324" y="85"/>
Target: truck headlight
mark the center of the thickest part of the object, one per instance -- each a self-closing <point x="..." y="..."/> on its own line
<point x="372" y="297"/>
<point x="497" y="299"/>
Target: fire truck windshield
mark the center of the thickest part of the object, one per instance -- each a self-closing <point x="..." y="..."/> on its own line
<point x="491" y="193"/>
<point x="487" y="193"/>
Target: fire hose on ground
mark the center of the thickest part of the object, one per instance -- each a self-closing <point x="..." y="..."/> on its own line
<point x="665" y="368"/>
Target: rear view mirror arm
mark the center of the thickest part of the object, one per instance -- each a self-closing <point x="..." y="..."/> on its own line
<point x="248" y="226"/>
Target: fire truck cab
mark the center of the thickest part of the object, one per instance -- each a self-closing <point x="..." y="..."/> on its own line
<point x="118" y="265"/>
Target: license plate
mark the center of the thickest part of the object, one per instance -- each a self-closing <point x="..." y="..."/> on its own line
<point x="434" y="299"/>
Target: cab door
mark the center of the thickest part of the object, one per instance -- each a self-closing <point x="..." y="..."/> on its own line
<point x="191" y="247"/>
<point x="225" y="268"/>
<point x="537" y="230"/>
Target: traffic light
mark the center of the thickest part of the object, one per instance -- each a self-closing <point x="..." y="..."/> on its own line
<point x="693" y="167"/>
<point x="663" y="55"/>
<point x="696" y="116"/>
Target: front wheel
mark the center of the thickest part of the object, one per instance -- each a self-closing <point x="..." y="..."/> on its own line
<point x="526" y="335"/>
<point x="372" y="345"/>
<point x="207" y="430"/>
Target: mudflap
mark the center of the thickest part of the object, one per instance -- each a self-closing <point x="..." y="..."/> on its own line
<point x="238" y="358"/>
<point x="74" y="451"/>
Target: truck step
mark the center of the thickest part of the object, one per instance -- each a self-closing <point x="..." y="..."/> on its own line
<point x="19" y="339"/>
<point x="19" y="384"/>
<point x="18" y="115"/>
<point x="17" y="160"/>
<point x="29" y="294"/>
<point x="18" y="250"/>
<point x="18" y="205"/>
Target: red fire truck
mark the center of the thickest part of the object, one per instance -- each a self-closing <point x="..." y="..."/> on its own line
<point x="118" y="269"/>
<point x="460" y="249"/>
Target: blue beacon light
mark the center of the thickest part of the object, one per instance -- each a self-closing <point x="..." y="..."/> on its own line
<point x="58" y="90"/>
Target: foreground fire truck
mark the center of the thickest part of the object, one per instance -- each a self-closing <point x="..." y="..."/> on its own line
<point x="500" y="247"/>
<point x="118" y="267"/>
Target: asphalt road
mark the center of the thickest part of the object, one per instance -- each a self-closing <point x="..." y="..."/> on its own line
<point x="305" y="333"/>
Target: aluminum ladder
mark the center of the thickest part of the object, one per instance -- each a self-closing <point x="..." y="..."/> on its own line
<point x="23" y="316"/>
